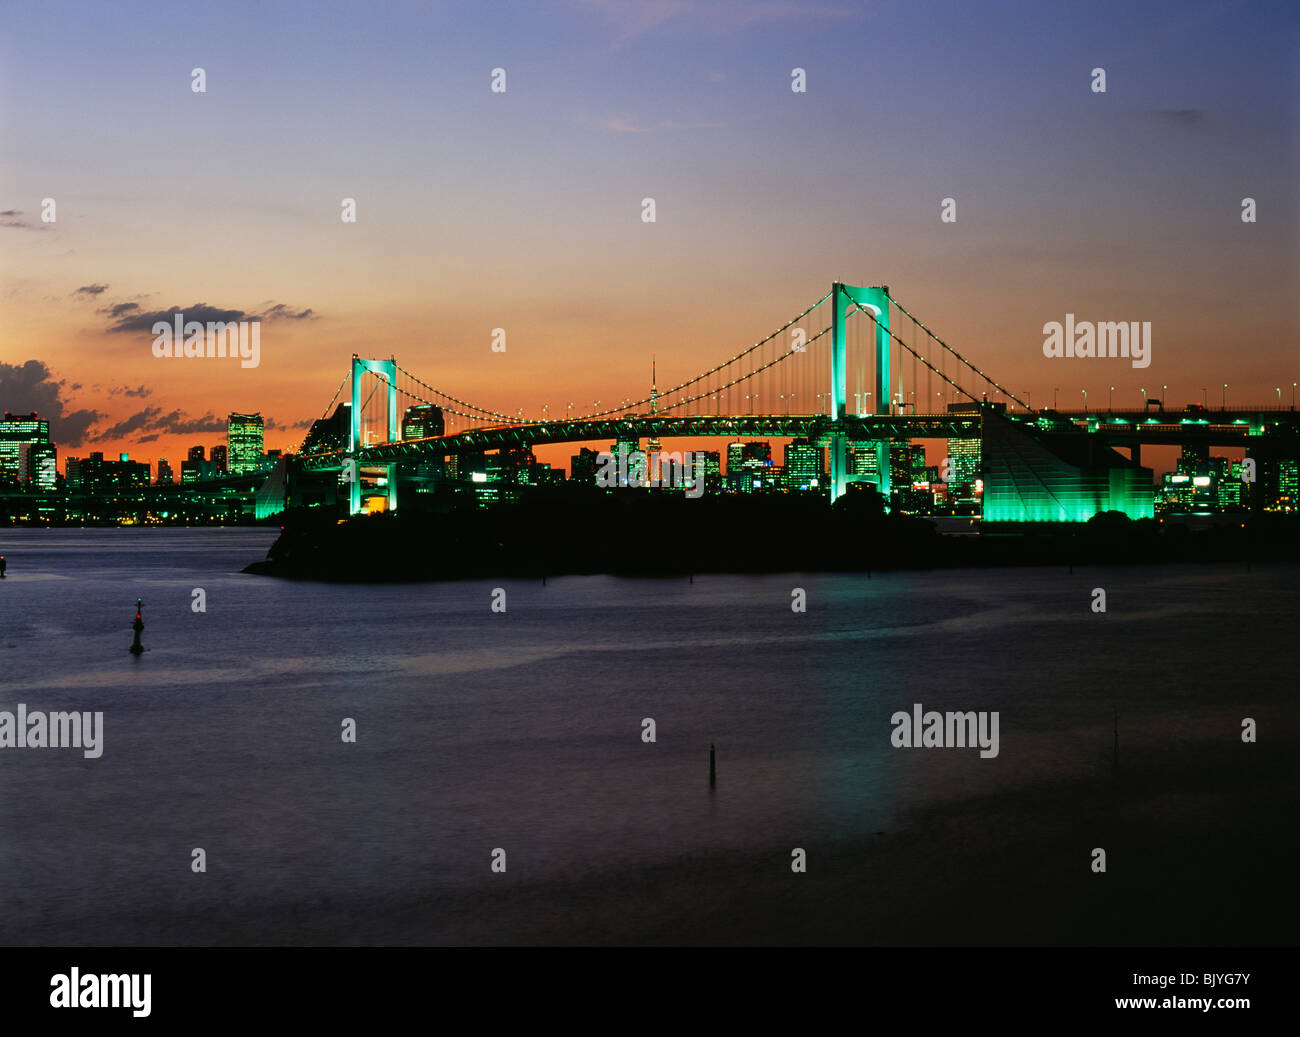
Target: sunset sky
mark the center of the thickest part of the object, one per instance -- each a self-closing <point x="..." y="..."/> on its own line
<point x="522" y="210"/>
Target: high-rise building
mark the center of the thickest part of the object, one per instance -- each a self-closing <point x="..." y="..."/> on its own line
<point x="963" y="467"/>
<point x="16" y="432"/>
<point x="864" y="461"/>
<point x="1194" y="460"/>
<point x="900" y="463"/>
<point x="712" y="470"/>
<point x="637" y="469"/>
<point x="423" y="421"/>
<point x="73" y="475"/>
<point x="39" y="466"/>
<point x="918" y="473"/>
<point x="328" y="435"/>
<point x="219" y="458"/>
<point x="803" y="465"/>
<point x="742" y="460"/>
<point x="97" y="475"/>
<point x="583" y="465"/>
<point x="244" y="437"/>
<point x="1288" y="484"/>
<point x="196" y="454"/>
<point x="166" y="477"/>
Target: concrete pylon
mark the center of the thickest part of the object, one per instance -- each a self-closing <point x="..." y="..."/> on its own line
<point x="386" y="369"/>
<point x="876" y="300"/>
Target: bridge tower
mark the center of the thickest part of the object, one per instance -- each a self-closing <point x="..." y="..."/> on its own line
<point x="877" y="301"/>
<point x="387" y="370"/>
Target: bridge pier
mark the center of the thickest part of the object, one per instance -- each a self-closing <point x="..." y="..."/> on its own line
<point x="875" y="300"/>
<point x="387" y="370"/>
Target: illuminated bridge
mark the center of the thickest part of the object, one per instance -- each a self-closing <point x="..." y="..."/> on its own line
<point x="855" y="371"/>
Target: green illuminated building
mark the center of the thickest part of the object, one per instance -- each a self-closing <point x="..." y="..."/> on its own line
<point x="803" y="465"/>
<point x="1057" y="478"/>
<point x="244" y="439"/>
<point x="18" y="433"/>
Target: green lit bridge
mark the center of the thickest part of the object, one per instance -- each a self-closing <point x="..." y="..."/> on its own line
<point x="853" y="372"/>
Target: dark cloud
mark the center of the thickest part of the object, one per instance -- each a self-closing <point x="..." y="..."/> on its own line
<point x="92" y="289"/>
<point x="152" y="423"/>
<point x="126" y="316"/>
<point x="1182" y="116"/>
<point x="135" y="423"/>
<point x="120" y="309"/>
<point x="199" y="311"/>
<point x="9" y="218"/>
<point x="126" y="390"/>
<point x="281" y="311"/>
<point x="30" y="387"/>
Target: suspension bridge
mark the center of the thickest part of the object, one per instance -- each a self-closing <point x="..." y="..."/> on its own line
<point x="855" y="371"/>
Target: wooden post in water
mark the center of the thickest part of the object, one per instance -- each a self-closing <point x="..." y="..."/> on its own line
<point x="713" y="765"/>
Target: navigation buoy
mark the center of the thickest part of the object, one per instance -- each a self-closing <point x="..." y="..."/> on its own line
<point x="137" y="626"/>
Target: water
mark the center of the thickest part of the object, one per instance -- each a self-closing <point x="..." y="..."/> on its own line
<point x="522" y="730"/>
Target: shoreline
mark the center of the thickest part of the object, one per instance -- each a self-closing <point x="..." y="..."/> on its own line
<point x="605" y="534"/>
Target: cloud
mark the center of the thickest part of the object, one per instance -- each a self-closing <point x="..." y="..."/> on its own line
<point x="120" y="309"/>
<point x="153" y="422"/>
<point x="281" y="311"/>
<point x="127" y="316"/>
<point x="91" y="289"/>
<point x="1182" y="116"/>
<point x="126" y="390"/>
<point x="31" y="387"/>
<point x="9" y="218"/>
<point x="200" y="311"/>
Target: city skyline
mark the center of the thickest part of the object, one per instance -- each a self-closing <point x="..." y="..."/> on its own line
<point x="522" y="210"/>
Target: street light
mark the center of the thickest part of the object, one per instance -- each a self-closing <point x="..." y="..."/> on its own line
<point x="1055" y="390"/>
<point x="1085" y="399"/>
<point x="1110" y="396"/>
<point x="1224" y="405"/>
<point x="1205" y="400"/>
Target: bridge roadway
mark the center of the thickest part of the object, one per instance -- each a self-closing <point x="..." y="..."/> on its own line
<point x="1123" y="428"/>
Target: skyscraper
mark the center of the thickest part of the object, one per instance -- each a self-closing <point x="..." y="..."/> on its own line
<point x="963" y="466"/>
<point x="423" y="421"/>
<point x="219" y="458"/>
<point x="803" y="465"/>
<point x="17" y="432"/>
<point x="244" y="437"/>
